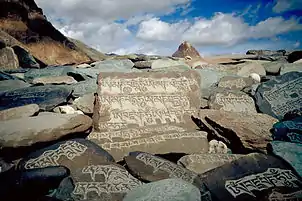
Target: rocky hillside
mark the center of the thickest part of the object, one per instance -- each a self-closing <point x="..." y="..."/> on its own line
<point x="22" y="23"/>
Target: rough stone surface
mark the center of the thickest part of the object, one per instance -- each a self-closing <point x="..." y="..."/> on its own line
<point x="85" y="87"/>
<point x="251" y="177"/>
<point x="157" y="139"/>
<point x="7" y="76"/>
<point x="278" y="96"/>
<point x="8" y="59"/>
<point x="273" y="68"/>
<point x="290" y="130"/>
<point x="9" y="85"/>
<point x="54" y="80"/>
<point x="252" y="67"/>
<point x="166" y="63"/>
<point x="209" y="77"/>
<point x="201" y="163"/>
<point x="186" y="49"/>
<point x="143" y="64"/>
<point x="30" y="130"/>
<point x="66" y="109"/>
<point x="291" y="67"/>
<point x="165" y="190"/>
<point x="294" y="56"/>
<point x="19" y="112"/>
<point x="26" y="60"/>
<point x="235" y="82"/>
<point x="243" y="130"/>
<point x="142" y="99"/>
<point x="48" y="72"/>
<point x="290" y="152"/>
<point x="47" y="97"/>
<point x="85" y="103"/>
<point x="83" y="66"/>
<point x="232" y="101"/>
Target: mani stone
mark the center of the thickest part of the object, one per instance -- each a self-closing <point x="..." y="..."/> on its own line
<point x="281" y="95"/>
<point x="251" y="177"/>
<point x="48" y="72"/>
<point x="232" y="101"/>
<point x="47" y="97"/>
<point x="142" y="99"/>
<point x="235" y="82"/>
<point x="27" y="131"/>
<point x="95" y="175"/>
<point x="157" y="139"/>
<point x="251" y="67"/>
<point x="9" y="85"/>
<point x="246" y="132"/>
<point x="167" y="63"/>
<point x="19" y="112"/>
<point x="291" y="67"/>
<point x="201" y="163"/>
<point x="8" y="59"/>
<point x="54" y="80"/>
<point x="165" y="190"/>
<point x="290" y="131"/>
<point x="290" y="152"/>
<point x="85" y="103"/>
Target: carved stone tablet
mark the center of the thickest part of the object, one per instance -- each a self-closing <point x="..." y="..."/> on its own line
<point x="153" y="139"/>
<point x="201" y="163"/>
<point x="148" y="98"/>
<point x="280" y="95"/>
<point x="235" y="82"/>
<point x="251" y="177"/>
<point x="232" y="101"/>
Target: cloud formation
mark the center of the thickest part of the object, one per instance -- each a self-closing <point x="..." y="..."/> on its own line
<point x="287" y="5"/>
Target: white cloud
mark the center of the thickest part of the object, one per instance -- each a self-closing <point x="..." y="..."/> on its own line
<point x="286" y="5"/>
<point x="297" y="44"/>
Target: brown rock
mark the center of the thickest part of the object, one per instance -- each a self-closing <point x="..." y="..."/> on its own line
<point x="156" y="139"/>
<point x="54" y="80"/>
<point x="252" y="67"/>
<point x="186" y="49"/>
<point x="8" y="59"/>
<point x="149" y="98"/>
<point x="245" y="131"/>
<point x="201" y="163"/>
<point x="19" y="112"/>
<point x="30" y="130"/>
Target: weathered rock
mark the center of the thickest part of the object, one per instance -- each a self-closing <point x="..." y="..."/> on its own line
<point x="291" y="67"/>
<point x="232" y="101"/>
<point x="186" y="49"/>
<point x="235" y="82"/>
<point x="8" y="59"/>
<point x="251" y="67"/>
<point x="294" y="56"/>
<point x="23" y="185"/>
<point x="217" y="147"/>
<point x="18" y="75"/>
<point x="113" y="65"/>
<point x="201" y="163"/>
<point x="47" y="72"/>
<point x="84" y="87"/>
<point x="30" y="130"/>
<point x="165" y="190"/>
<point x="47" y="97"/>
<point x="19" y="112"/>
<point x="298" y="61"/>
<point x="278" y="96"/>
<point x="251" y="177"/>
<point x="9" y="85"/>
<point x="167" y="63"/>
<point x="66" y="109"/>
<point x="54" y="80"/>
<point x="85" y="103"/>
<point x="143" y="64"/>
<point x="7" y="76"/>
<point x="142" y="99"/>
<point x="290" y="130"/>
<point x="290" y="152"/>
<point x="5" y="166"/>
<point x="26" y="60"/>
<point x="273" y="68"/>
<point x="245" y="131"/>
<point x="209" y="77"/>
<point x="267" y="52"/>
<point x="95" y="175"/>
<point x="83" y="66"/>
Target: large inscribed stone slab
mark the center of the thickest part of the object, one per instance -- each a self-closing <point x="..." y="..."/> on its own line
<point x="147" y="98"/>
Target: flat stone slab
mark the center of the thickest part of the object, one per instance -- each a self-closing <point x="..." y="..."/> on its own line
<point x="19" y="112"/>
<point x="201" y="163"/>
<point x="159" y="139"/>
<point x="9" y="85"/>
<point x="142" y="99"/>
<point x="235" y="82"/>
<point x="54" y="80"/>
<point x="251" y="177"/>
<point x="30" y="130"/>
<point x="232" y="101"/>
<point x="281" y="95"/>
<point x="245" y="131"/>
<point x="47" y="97"/>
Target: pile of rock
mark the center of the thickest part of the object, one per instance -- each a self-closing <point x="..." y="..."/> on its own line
<point x="138" y="127"/>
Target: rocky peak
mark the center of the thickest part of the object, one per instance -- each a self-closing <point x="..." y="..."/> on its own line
<point x="186" y="49"/>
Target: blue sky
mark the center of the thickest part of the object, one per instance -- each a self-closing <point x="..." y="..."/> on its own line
<point x="159" y="26"/>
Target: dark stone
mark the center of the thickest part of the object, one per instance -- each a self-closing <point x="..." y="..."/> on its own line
<point x="47" y="97"/>
<point x="266" y="52"/>
<point x="290" y="152"/>
<point x="290" y="131"/>
<point x="26" y="60"/>
<point x="2" y="44"/>
<point x="293" y="114"/>
<point x="5" y="166"/>
<point x="30" y="184"/>
<point x="294" y="56"/>
<point x="9" y="85"/>
<point x="48" y="71"/>
<point x="7" y="76"/>
<point x="281" y="95"/>
<point x="251" y="177"/>
<point x="64" y="190"/>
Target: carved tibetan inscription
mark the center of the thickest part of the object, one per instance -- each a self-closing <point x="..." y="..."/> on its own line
<point x="143" y="99"/>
